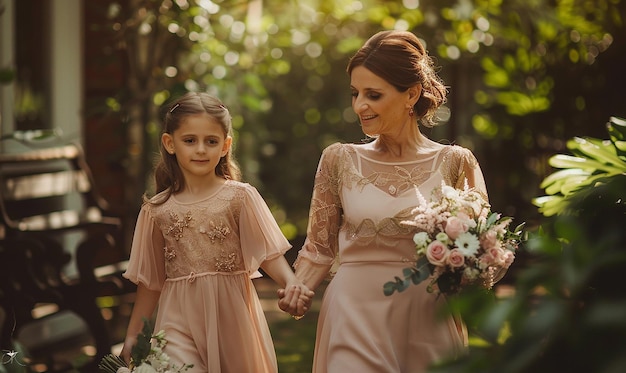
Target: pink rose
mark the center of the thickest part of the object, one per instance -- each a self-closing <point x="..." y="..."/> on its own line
<point x="456" y="259"/>
<point x="436" y="253"/>
<point x="485" y="261"/>
<point x="455" y="226"/>
<point x="495" y="255"/>
<point x="509" y="256"/>
<point x="489" y="239"/>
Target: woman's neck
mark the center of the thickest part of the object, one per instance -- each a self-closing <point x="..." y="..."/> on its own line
<point x="404" y="146"/>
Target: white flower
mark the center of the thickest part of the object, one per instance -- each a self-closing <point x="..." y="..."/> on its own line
<point x="145" y="368"/>
<point x="471" y="273"/>
<point x="455" y="219"/>
<point x="160" y="361"/>
<point x="468" y="244"/>
<point x="449" y="192"/>
<point x="421" y="240"/>
<point x="443" y="238"/>
<point x="160" y="335"/>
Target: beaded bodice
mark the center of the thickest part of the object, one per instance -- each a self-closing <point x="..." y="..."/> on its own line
<point x="202" y="236"/>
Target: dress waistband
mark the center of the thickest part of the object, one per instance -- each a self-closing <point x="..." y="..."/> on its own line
<point x="191" y="277"/>
<point x="403" y="261"/>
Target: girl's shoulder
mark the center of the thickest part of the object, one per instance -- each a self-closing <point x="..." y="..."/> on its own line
<point x="236" y="185"/>
<point x="239" y="189"/>
<point x="157" y="199"/>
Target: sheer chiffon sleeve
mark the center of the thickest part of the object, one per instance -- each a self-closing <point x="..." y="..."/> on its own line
<point x="260" y="236"/>
<point x="318" y="254"/>
<point x="147" y="261"/>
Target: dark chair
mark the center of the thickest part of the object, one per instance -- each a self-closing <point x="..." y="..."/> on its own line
<point x="53" y="228"/>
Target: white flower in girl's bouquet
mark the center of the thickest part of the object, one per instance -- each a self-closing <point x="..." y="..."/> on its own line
<point x="459" y="242"/>
<point x="147" y="356"/>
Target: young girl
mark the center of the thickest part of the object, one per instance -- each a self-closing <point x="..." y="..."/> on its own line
<point x="197" y="244"/>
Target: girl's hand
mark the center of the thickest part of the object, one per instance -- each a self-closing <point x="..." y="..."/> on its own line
<point x="129" y="342"/>
<point x="295" y="299"/>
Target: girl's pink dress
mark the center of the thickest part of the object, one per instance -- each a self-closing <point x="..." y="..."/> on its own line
<point x="355" y="225"/>
<point x="202" y="257"/>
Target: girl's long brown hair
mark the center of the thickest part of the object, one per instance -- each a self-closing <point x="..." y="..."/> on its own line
<point x="167" y="174"/>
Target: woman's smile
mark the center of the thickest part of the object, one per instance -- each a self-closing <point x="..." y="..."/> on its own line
<point x="368" y="117"/>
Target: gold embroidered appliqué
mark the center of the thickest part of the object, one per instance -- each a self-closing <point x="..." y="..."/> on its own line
<point x="225" y="262"/>
<point x="179" y="224"/>
<point x="218" y="232"/>
<point x="169" y="253"/>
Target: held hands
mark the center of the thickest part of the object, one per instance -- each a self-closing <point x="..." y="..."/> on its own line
<point x="295" y="300"/>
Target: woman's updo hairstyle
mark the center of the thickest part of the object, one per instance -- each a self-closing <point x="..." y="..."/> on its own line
<point x="400" y="59"/>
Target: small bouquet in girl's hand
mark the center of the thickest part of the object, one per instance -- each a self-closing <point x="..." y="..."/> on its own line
<point x="459" y="242"/>
<point x="145" y="356"/>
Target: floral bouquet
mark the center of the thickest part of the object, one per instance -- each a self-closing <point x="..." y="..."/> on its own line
<point x="459" y="242"/>
<point x="146" y="357"/>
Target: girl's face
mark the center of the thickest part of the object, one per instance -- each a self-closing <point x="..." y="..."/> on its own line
<point x="379" y="105"/>
<point x="199" y="143"/>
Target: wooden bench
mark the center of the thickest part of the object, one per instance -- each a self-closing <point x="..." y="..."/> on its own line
<point x="54" y="226"/>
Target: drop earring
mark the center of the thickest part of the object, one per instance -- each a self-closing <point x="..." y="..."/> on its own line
<point x="411" y="112"/>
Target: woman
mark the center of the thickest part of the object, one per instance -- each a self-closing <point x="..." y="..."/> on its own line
<point x="362" y="193"/>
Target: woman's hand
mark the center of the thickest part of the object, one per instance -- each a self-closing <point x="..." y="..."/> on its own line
<point x="295" y="300"/>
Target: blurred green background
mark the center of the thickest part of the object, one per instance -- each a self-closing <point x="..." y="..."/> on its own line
<point x="524" y="76"/>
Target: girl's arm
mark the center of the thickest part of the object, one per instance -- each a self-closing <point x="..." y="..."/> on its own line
<point x="145" y="303"/>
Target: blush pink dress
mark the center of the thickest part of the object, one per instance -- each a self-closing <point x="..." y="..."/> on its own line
<point x="355" y="227"/>
<point x="202" y="257"/>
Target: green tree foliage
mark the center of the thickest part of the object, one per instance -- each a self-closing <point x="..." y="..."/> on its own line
<point x="523" y="77"/>
<point x="593" y="163"/>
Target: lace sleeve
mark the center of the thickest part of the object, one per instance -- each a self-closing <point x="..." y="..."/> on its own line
<point x="320" y="248"/>
<point x="469" y="169"/>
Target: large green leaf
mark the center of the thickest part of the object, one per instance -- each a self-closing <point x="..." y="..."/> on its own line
<point x="617" y="131"/>
<point x="555" y="182"/>
<point x="596" y="149"/>
<point x="588" y="164"/>
<point x="592" y="162"/>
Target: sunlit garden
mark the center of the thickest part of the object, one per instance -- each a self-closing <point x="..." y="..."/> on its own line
<point x="536" y="91"/>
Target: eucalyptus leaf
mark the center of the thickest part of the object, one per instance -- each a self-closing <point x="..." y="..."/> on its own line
<point x="142" y="348"/>
<point x="492" y="219"/>
<point x="398" y="285"/>
<point x="420" y="272"/>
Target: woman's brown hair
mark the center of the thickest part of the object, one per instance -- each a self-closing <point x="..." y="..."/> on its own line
<point x="400" y="59"/>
